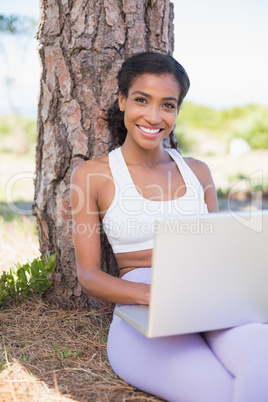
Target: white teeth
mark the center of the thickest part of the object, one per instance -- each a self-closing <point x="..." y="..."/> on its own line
<point x="150" y="131"/>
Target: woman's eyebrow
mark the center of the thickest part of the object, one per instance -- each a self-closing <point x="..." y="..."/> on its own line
<point x="149" y="96"/>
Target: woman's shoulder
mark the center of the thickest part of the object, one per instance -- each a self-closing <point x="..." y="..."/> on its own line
<point x="93" y="169"/>
<point x="194" y="163"/>
<point x="200" y="169"/>
<point x="92" y="165"/>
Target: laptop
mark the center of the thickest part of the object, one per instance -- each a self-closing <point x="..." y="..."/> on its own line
<point x="208" y="272"/>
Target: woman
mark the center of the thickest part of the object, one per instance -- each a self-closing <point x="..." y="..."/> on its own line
<point x="127" y="190"/>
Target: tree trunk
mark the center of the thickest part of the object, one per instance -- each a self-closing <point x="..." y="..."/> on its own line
<point x="82" y="45"/>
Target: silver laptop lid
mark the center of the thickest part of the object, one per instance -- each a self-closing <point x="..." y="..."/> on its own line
<point x="209" y="272"/>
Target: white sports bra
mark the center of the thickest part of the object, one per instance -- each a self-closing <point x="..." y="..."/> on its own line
<point x="129" y="222"/>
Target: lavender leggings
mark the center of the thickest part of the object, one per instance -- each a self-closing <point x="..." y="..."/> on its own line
<point x="216" y="366"/>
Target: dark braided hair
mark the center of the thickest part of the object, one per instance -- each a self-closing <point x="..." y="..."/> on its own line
<point x="142" y="63"/>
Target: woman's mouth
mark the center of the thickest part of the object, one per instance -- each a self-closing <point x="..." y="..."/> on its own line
<point x="150" y="132"/>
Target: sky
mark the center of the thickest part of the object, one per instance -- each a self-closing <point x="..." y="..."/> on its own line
<point x="19" y="63"/>
<point x="221" y="43"/>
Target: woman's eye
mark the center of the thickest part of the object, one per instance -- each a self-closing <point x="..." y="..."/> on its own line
<point x="140" y="100"/>
<point x="169" y="105"/>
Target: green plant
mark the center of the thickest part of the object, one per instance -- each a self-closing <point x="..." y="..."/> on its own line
<point x="4" y="356"/>
<point x="27" y="280"/>
<point x="66" y="353"/>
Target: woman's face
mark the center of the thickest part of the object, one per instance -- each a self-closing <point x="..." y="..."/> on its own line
<point x="151" y="108"/>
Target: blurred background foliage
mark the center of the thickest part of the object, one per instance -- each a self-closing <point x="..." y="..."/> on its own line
<point x="197" y="124"/>
<point x="17" y="160"/>
<point x="18" y="135"/>
<point x="17" y="25"/>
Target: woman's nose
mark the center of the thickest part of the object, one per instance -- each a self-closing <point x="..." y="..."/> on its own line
<point x="153" y="115"/>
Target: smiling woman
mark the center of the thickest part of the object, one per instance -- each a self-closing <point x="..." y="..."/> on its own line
<point x="128" y="190"/>
<point x="151" y="107"/>
<point x="128" y="76"/>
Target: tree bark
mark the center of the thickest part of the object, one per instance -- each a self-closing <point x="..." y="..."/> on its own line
<point x="82" y="45"/>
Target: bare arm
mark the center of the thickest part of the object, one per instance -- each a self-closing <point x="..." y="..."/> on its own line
<point x="202" y="172"/>
<point x="86" y="237"/>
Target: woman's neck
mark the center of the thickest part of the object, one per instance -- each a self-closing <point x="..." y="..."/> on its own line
<point x="134" y="153"/>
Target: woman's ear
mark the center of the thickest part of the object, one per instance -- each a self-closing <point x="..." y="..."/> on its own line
<point x="121" y="102"/>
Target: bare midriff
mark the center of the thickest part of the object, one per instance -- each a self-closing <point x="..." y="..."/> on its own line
<point x="136" y="259"/>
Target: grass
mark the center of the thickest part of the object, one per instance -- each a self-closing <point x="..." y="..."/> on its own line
<point x="52" y="355"/>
